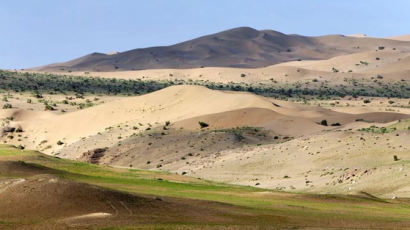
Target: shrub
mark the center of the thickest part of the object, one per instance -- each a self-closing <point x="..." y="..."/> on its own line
<point x="7" y="106"/>
<point x="60" y="143"/>
<point x="38" y="95"/>
<point x="323" y="122"/>
<point x="366" y="101"/>
<point x="336" y="124"/>
<point x="48" y="107"/>
<point x="203" y="124"/>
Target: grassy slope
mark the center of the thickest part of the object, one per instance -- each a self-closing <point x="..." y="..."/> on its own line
<point x="295" y="209"/>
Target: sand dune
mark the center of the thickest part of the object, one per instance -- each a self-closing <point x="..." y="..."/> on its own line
<point x="176" y="103"/>
<point x="254" y="117"/>
<point x="399" y="68"/>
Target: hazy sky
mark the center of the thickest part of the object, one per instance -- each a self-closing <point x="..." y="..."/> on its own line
<point x="37" y="32"/>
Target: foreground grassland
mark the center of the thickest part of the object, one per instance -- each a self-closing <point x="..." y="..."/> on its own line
<point x="53" y="83"/>
<point x="262" y="207"/>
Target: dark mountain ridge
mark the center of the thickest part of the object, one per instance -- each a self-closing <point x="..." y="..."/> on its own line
<point x="239" y="47"/>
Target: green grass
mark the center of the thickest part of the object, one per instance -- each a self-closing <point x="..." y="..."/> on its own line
<point x="262" y="202"/>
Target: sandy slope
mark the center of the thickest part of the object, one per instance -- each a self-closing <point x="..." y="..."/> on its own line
<point x="334" y="162"/>
<point x="357" y="63"/>
<point x="405" y="37"/>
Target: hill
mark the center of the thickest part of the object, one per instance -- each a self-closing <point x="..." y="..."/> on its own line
<point x="239" y="47"/>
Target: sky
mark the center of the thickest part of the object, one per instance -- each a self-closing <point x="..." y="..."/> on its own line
<point x="39" y="32"/>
